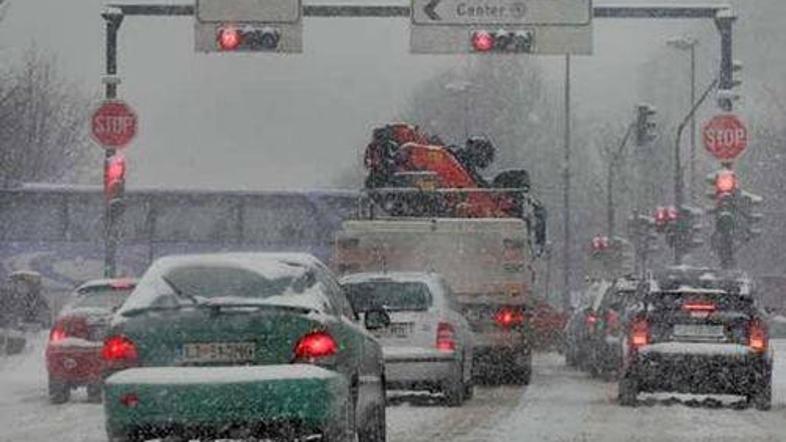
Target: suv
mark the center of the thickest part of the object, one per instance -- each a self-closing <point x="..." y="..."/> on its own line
<point x="704" y="335"/>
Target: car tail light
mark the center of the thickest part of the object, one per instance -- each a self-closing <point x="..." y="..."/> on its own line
<point x="757" y="336"/>
<point x="446" y="337"/>
<point x="507" y="317"/>
<point x="69" y="327"/>
<point x="314" y="346"/>
<point x="130" y="400"/>
<point x="699" y="306"/>
<point x="119" y="349"/>
<point x="639" y="333"/>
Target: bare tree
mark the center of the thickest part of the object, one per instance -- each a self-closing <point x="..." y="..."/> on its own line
<point x="43" y="124"/>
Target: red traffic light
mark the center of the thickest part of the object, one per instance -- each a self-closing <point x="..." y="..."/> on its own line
<point x="600" y="243"/>
<point x="482" y="41"/>
<point x="725" y="182"/>
<point x="665" y="215"/>
<point x="114" y="176"/>
<point x="229" y="38"/>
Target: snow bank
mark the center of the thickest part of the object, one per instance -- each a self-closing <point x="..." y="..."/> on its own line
<point x="217" y="375"/>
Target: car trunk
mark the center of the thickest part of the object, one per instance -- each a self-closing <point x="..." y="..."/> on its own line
<point x="700" y="316"/>
<point x="221" y="336"/>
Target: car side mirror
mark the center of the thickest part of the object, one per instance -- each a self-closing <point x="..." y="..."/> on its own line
<point x="376" y="319"/>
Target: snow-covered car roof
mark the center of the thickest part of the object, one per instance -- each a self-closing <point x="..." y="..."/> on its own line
<point x="152" y="288"/>
<point x="433" y="281"/>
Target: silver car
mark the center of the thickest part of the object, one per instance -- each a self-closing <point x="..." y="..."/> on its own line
<point x="428" y="344"/>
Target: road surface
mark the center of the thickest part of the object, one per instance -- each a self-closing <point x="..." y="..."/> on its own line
<point x="560" y="405"/>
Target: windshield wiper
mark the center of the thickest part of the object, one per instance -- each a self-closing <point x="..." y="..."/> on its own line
<point x="180" y="293"/>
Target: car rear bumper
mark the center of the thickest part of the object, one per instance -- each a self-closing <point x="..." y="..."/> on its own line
<point x="213" y="401"/>
<point x="700" y="369"/>
<point x="416" y="368"/>
<point x="75" y="365"/>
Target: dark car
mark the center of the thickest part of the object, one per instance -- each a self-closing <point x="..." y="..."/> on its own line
<point x="605" y="333"/>
<point x="579" y="326"/>
<point x="697" y="337"/>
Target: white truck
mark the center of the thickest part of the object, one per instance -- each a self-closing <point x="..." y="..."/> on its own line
<point x="488" y="263"/>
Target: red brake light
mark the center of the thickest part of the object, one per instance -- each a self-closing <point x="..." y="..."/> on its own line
<point x="757" y="336"/>
<point x="69" y="327"/>
<point x="315" y="345"/>
<point x="119" y="349"/>
<point x="130" y="400"/>
<point x="229" y="38"/>
<point x="699" y="306"/>
<point x="639" y="333"/>
<point x="482" y="41"/>
<point x="446" y="337"/>
<point x="509" y="317"/>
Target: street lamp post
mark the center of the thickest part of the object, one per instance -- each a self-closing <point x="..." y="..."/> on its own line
<point x="687" y="43"/>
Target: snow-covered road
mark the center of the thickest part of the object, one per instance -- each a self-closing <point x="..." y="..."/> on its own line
<point x="560" y="405"/>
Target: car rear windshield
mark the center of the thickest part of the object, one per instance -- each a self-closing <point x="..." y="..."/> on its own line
<point x="102" y="297"/>
<point x="223" y="281"/>
<point x="393" y="295"/>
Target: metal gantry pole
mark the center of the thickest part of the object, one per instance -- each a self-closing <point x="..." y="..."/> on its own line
<point x="693" y="124"/>
<point x="566" y="247"/>
<point x="610" y="176"/>
<point x="113" y="19"/>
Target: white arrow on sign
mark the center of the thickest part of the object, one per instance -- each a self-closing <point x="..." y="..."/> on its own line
<point x="501" y="12"/>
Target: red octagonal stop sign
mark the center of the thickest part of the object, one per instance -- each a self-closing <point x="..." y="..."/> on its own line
<point x="114" y="124"/>
<point x="725" y="136"/>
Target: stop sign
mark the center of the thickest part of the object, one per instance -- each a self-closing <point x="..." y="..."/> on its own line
<point x="114" y="124"/>
<point x="725" y="136"/>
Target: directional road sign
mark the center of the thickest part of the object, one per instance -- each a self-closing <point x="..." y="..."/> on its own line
<point x="114" y="124"/>
<point x="549" y="26"/>
<point x="725" y="136"/>
<point x="502" y="12"/>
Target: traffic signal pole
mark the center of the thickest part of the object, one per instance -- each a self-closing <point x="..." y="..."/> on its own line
<point x="113" y="19"/>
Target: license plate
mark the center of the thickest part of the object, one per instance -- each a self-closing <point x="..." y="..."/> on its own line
<point x="396" y="330"/>
<point x="699" y="331"/>
<point x="218" y="352"/>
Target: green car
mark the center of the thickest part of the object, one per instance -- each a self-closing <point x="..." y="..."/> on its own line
<point x="242" y="346"/>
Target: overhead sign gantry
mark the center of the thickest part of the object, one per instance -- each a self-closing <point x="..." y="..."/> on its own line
<point x="501" y="26"/>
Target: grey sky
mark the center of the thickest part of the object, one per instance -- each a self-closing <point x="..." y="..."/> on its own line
<point x="264" y="122"/>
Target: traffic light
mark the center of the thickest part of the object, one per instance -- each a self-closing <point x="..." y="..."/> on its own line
<point x="114" y="177"/>
<point x="749" y="217"/>
<point x="665" y="217"/>
<point x="600" y="244"/>
<point x="247" y="38"/>
<point x="729" y="94"/>
<point x="724" y="182"/>
<point x="502" y="41"/>
<point x="645" y="127"/>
